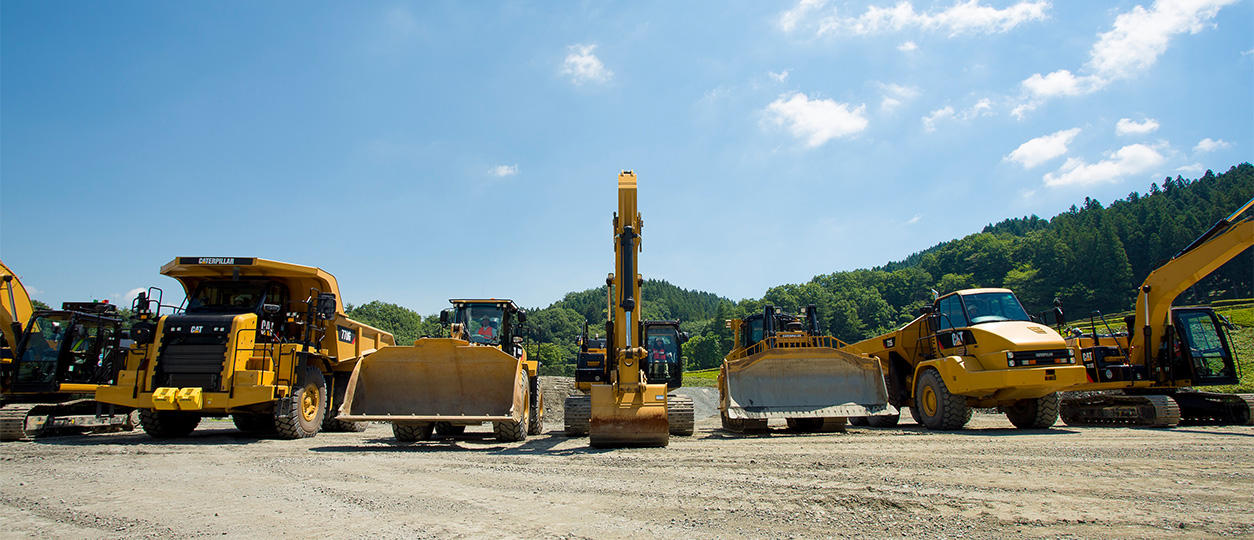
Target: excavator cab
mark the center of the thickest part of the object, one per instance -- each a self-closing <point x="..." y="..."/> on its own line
<point x="664" y="362"/>
<point x="1201" y="348"/>
<point x="78" y="344"/>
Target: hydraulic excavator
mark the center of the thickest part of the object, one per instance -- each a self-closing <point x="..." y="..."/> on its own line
<point x="628" y="408"/>
<point x="51" y="367"/>
<point x="1165" y="350"/>
<point x="781" y="366"/>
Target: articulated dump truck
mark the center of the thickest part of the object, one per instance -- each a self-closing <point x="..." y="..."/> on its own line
<point x="262" y="341"/>
<point x="974" y="348"/>
<point x="441" y="385"/>
<point x="781" y="367"/>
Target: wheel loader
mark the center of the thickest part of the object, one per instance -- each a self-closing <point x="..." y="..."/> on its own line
<point x="264" y="342"/>
<point x="1147" y="373"/>
<point x="782" y="367"/>
<point x="974" y="348"/>
<point x="51" y="367"/>
<point x="628" y="402"/>
<point x="481" y="373"/>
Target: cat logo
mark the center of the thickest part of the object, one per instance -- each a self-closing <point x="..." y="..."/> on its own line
<point x="196" y="329"/>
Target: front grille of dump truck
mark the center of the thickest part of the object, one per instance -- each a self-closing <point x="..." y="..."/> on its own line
<point x="193" y="349"/>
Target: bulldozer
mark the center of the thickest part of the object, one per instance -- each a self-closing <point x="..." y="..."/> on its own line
<point x="628" y="403"/>
<point x="480" y="373"/>
<point x="1148" y="371"/>
<point x="663" y="364"/>
<point x="974" y="348"/>
<point x="265" y="342"/>
<point x="51" y="367"/>
<point x="782" y="367"/>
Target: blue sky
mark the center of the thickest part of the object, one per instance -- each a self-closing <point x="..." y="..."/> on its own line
<point x="431" y="150"/>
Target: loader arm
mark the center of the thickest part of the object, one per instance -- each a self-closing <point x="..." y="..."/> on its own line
<point x="1224" y="241"/>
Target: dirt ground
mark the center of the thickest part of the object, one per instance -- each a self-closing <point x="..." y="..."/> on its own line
<point x="988" y="481"/>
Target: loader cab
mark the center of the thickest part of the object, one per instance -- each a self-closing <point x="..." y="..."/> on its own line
<point x="663" y="344"/>
<point x="489" y="322"/>
<point x="78" y="344"/>
<point x="1201" y="347"/>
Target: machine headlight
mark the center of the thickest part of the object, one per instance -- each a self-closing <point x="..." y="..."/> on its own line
<point x="1010" y="355"/>
<point x="1011" y="363"/>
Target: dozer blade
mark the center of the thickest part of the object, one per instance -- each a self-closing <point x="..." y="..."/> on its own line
<point x="806" y="383"/>
<point x="436" y="380"/>
<point x="629" y="418"/>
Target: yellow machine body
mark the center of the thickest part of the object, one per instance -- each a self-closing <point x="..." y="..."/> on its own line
<point x="627" y="411"/>
<point x="252" y="374"/>
<point x="15" y="310"/>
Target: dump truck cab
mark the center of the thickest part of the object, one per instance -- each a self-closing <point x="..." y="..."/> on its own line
<point x="975" y="348"/>
<point x="265" y="342"/>
<point x="781" y="366"/>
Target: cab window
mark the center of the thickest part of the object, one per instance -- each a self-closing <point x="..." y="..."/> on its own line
<point x="950" y="314"/>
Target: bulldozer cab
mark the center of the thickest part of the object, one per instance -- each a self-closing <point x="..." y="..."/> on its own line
<point x="486" y="322"/>
<point x="79" y="344"/>
<point x="664" y="362"/>
<point x="1201" y="348"/>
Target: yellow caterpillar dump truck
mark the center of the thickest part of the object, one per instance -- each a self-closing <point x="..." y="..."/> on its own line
<point x="1166" y="351"/>
<point x="479" y="374"/>
<point x="262" y="341"/>
<point x="975" y="348"/>
<point x="782" y="367"/>
<point x="51" y="367"/>
<point x="628" y="402"/>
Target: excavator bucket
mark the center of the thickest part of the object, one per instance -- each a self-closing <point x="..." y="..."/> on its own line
<point x="436" y="380"/>
<point x="818" y="382"/>
<point x="629" y="418"/>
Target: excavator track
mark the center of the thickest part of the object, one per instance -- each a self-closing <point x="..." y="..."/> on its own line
<point x="1120" y="410"/>
<point x="1216" y="409"/>
<point x="679" y="415"/>
<point x="13" y="421"/>
<point x="578" y="414"/>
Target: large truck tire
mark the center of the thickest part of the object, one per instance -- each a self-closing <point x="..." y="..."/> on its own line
<point x="938" y="408"/>
<point x="515" y="430"/>
<point x="1039" y="413"/>
<point x="331" y="423"/>
<point x="412" y="431"/>
<point x="536" y="424"/>
<point x="167" y="424"/>
<point x="300" y="415"/>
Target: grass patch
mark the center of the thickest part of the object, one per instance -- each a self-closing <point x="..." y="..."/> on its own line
<point x="704" y="377"/>
<point x="1243" y="347"/>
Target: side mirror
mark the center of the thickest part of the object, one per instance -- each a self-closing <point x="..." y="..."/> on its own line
<point x="326" y="306"/>
<point x="925" y="310"/>
<point x="522" y="316"/>
<point x="683" y="338"/>
<point x="446" y="315"/>
<point x="270" y="309"/>
<point x="518" y="339"/>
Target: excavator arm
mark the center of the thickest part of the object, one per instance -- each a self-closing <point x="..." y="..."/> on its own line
<point x="16" y="310"/>
<point x="627" y="410"/>
<point x="1220" y="244"/>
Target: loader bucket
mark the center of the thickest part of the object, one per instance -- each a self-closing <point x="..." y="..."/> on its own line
<point x="436" y="380"/>
<point x="629" y="418"/>
<point x="817" y="382"/>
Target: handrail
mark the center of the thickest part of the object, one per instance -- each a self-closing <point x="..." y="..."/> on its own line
<point x="787" y="340"/>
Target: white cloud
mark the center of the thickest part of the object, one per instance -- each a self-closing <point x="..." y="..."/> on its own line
<point x="779" y="77"/>
<point x="1126" y="126"/>
<point x="789" y="20"/>
<point x="1126" y="161"/>
<point x="1044" y="148"/>
<point x="983" y="107"/>
<point x="914" y="219"/>
<point x="1248" y="53"/>
<point x="895" y="95"/>
<point x="583" y="66"/>
<point x="1210" y="145"/>
<point x="816" y="120"/>
<point x="1133" y="44"/>
<point x="908" y="46"/>
<point x="502" y="171"/>
<point x="929" y="121"/>
<point x="1196" y="168"/>
<point x="129" y="295"/>
<point x="961" y="18"/>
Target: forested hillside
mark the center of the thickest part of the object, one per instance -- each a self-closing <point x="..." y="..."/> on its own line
<point x="1089" y="257"/>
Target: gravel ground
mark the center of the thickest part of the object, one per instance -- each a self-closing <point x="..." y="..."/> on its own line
<point x="985" y="482"/>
